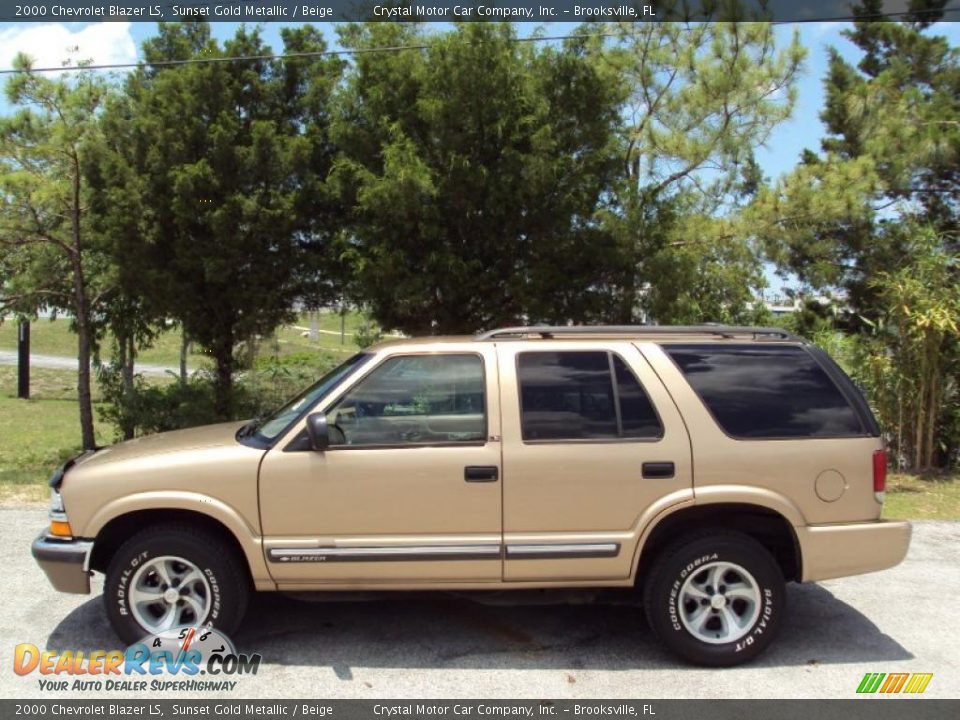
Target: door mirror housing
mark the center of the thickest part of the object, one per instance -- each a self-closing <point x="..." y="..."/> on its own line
<point x="318" y="432"/>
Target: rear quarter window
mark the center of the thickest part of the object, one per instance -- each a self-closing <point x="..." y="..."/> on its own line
<point x="767" y="391"/>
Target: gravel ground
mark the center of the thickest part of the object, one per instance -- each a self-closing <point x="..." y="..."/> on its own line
<point x="444" y="646"/>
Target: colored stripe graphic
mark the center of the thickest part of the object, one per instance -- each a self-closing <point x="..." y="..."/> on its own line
<point x="914" y="683"/>
<point x="894" y="682"/>
<point x="870" y="682"/>
<point x="918" y="682"/>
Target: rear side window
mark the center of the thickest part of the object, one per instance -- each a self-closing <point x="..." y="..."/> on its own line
<point x="582" y="395"/>
<point x="756" y="391"/>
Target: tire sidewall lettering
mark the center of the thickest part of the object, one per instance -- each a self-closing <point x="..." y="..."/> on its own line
<point x="215" y="605"/>
<point x="121" y="592"/>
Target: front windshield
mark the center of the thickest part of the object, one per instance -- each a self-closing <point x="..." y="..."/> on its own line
<point x="276" y="423"/>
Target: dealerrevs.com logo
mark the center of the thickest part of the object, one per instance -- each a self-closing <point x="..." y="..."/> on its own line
<point x="894" y="683"/>
<point x="191" y="659"/>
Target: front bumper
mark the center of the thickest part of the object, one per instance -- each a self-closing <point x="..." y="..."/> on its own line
<point x="831" y="551"/>
<point x="66" y="562"/>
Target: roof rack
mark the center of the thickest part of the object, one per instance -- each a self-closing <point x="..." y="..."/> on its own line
<point x="726" y="331"/>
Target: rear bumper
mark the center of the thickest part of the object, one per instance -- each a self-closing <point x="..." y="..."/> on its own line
<point x="831" y="551"/>
<point x="66" y="563"/>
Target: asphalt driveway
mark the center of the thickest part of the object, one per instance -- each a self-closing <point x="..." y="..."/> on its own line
<point x="436" y="645"/>
<point x="59" y="362"/>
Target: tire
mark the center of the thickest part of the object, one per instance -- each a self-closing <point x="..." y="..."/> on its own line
<point x="209" y="578"/>
<point x="712" y="626"/>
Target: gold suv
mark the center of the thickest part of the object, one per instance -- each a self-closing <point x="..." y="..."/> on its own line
<point x="704" y="465"/>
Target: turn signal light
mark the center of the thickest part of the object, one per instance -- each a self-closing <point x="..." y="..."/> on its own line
<point x="59" y="528"/>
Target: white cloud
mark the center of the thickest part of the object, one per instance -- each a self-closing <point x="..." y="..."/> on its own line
<point x="828" y="28"/>
<point x="52" y="44"/>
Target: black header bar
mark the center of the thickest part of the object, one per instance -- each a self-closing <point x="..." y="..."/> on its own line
<point x="590" y="709"/>
<point x="539" y="11"/>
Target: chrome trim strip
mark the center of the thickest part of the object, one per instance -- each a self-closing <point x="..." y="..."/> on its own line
<point x="556" y="552"/>
<point x="88" y="554"/>
<point x="385" y="554"/>
<point x="443" y="552"/>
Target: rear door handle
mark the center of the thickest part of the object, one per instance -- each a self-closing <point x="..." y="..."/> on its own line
<point x="658" y="470"/>
<point x="481" y="473"/>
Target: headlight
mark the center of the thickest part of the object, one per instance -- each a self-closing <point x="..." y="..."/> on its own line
<point x="59" y="527"/>
<point x="56" y="503"/>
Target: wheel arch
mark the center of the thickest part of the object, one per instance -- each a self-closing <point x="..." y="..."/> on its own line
<point x="764" y="524"/>
<point x="115" y="531"/>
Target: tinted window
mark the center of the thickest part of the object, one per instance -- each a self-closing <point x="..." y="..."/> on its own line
<point x="414" y="399"/>
<point x="766" y="392"/>
<point x="570" y="396"/>
<point x="638" y="418"/>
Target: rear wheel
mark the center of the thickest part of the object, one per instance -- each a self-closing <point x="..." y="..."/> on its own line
<point x="715" y="599"/>
<point x="172" y="576"/>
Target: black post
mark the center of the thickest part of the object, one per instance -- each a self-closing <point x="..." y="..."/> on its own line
<point x="23" y="360"/>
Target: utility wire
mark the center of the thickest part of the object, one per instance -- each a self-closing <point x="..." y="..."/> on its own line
<point x="386" y="49"/>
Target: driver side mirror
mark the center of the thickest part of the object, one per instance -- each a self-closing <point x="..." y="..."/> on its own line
<point x="318" y="431"/>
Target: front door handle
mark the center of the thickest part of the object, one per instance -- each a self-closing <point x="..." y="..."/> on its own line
<point x="481" y="473"/>
<point x="660" y="470"/>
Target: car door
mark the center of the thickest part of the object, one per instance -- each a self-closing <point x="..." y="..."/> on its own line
<point x="593" y="445"/>
<point x="409" y="489"/>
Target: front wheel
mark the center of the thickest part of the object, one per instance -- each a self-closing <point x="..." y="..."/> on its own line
<point x="171" y="576"/>
<point x="715" y="599"/>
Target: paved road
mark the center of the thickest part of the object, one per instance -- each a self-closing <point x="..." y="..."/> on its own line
<point x="58" y="362"/>
<point x="442" y="646"/>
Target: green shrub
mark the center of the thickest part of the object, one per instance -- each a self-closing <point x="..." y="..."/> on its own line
<point x="152" y="407"/>
<point x="366" y="335"/>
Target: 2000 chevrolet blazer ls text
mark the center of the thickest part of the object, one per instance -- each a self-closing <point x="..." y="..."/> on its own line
<point x="706" y="465"/>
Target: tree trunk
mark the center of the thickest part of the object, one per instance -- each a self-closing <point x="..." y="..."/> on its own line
<point x="932" y="404"/>
<point x="899" y="422"/>
<point x="223" y="391"/>
<point x="82" y="319"/>
<point x="184" y="350"/>
<point x="919" y="416"/>
<point x="931" y="421"/>
<point x="84" y="396"/>
<point x="127" y="359"/>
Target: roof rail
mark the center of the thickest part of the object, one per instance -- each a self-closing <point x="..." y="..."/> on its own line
<point x="727" y="331"/>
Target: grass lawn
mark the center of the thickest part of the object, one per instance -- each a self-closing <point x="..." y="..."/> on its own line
<point x="53" y="337"/>
<point x="289" y="339"/>
<point x="38" y="434"/>
<point x="913" y="497"/>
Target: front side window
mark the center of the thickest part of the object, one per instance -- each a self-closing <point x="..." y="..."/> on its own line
<point x="414" y="399"/>
<point x="582" y="395"/>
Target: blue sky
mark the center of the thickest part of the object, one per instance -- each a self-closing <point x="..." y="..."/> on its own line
<point x="120" y="42"/>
